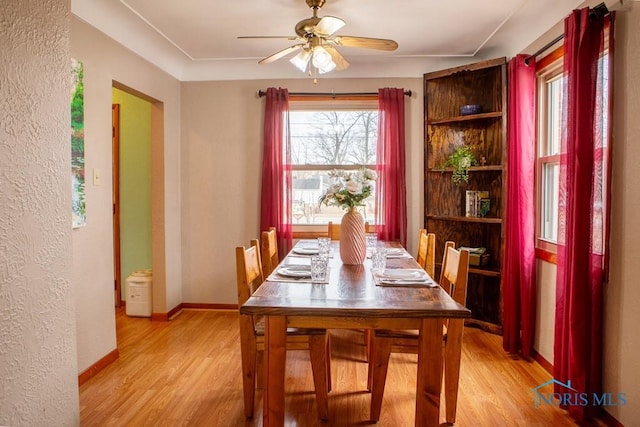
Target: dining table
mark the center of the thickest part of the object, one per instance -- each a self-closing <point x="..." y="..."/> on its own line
<point x="351" y="297"/>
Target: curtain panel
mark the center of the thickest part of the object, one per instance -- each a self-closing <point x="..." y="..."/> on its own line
<point x="583" y="217"/>
<point x="519" y="282"/>
<point x="391" y="201"/>
<point x="275" y="199"/>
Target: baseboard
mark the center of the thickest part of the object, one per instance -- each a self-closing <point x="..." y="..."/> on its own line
<point x="165" y="317"/>
<point x="546" y="365"/>
<point x="97" y="367"/>
<point x="609" y="419"/>
<point x="202" y="306"/>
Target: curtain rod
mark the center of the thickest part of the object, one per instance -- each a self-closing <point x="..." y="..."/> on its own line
<point x="262" y="93"/>
<point x="599" y="10"/>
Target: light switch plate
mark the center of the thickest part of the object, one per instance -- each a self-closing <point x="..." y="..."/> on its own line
<point x="96" y="176"/>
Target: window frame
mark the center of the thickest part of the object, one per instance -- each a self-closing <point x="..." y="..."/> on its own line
<point x="548" y="68"/>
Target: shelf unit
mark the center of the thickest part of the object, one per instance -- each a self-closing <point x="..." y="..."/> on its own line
<point x="445" y="91"/>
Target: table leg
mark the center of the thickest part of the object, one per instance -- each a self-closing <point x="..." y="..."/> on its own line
<point x="429" y="373"/>
<point x="274" y="365"/>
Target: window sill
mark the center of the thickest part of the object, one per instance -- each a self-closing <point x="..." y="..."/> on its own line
<point x="546" y="255"/>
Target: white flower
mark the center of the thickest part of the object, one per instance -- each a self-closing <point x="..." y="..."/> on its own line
<point x="349" y="189"/>
<point x="353" y="187"/>
<point x="370" y="175"/>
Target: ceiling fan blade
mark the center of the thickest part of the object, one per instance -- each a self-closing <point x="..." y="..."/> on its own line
<point x="337" y="58"/>
<point x="268" y="37"/>
<point x="365" y="42"/>
<point x="280" y="54"/>
<point x="328" y="25"/>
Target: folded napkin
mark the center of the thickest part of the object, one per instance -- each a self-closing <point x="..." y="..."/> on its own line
<point x="398" y="253"/>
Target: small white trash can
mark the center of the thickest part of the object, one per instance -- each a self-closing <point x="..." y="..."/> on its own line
<point x="139" y="300"/>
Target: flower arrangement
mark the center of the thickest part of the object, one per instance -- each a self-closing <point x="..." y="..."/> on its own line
<point x="349" y="189"/>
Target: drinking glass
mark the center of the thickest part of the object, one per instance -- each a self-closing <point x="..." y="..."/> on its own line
<point x="324" y="245"/>
<point x="378" y="260"/>
<point x="319" y="268"/>
<point x="372" y="242"/>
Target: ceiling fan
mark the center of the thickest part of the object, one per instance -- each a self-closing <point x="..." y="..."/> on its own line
<point x="317" y="47"/>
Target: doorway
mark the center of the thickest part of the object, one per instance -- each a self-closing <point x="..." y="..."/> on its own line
<point x="134" y="117"/>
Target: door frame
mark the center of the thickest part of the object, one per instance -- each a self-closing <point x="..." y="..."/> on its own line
<point x="115" y="147"/>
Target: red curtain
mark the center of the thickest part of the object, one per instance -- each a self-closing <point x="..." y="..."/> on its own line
<point x="583" y="217"/>
<point x="391" y="199"/>
<point x="275" y="199"/>
<point x="519" y="284"/>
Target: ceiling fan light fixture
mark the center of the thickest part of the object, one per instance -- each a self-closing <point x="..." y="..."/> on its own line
<point x="301" y="60"/>
<point x="322" y="60"/>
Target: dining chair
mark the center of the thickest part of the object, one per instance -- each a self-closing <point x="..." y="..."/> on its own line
<point x="269" y="251"/>
<point x="333" y="230"/>
<point x="249" y="278"/>
<point x="426" y="256"/>
<point x="453" y="279"/>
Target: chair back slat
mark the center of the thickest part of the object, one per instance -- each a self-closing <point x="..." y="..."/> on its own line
<point x="426" y="256"/>
<point x="455" y="272"/>
<point x="269" y="251"/>
<point x="248" y="271"/>
<point x="333" y="230"/>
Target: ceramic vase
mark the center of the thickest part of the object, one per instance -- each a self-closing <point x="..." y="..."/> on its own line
<point x="353" y="245"/>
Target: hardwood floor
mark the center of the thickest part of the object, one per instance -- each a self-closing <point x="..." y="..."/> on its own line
<point x="187" y="372"/>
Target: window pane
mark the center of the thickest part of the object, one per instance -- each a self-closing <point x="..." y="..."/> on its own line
<point x="554" y="117"/>
<point x="308" y="186"/>
<point x="549" y="217"/>
<point x="333" y="137"/>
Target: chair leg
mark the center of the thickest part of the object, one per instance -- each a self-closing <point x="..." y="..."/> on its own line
<point x="259" y="370"/>
<point x="318" y="355"/>
<point x="381" y="351"/>
<point x="249" y="359"/>
<point x="452" y="355"/>
<point x="328" y="350"/>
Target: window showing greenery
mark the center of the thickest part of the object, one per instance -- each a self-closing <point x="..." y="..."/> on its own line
<point x="323" y="140"/>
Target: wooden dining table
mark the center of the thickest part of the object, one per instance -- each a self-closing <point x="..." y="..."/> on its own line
<point x="350" y="299"/>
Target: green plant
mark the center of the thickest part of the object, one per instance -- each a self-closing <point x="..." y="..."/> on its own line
<point x="461" y="160"/>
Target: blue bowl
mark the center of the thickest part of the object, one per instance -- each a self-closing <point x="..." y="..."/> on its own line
<point x="465" y="110"/>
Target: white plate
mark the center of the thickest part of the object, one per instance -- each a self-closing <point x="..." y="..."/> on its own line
<point x="403" y="273"/>
<point x="395" y="251"/>
<point x="295" y="271"/>
<point x="306" y="250"/>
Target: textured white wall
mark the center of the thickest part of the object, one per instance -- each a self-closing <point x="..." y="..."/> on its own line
<point x="221" y="164"/>
<point x="38" y="369"/>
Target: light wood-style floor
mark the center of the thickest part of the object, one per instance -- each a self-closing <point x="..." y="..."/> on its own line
<point x="187" y="372"/>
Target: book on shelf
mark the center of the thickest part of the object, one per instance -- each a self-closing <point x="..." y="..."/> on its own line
<point x="477" y="203"/>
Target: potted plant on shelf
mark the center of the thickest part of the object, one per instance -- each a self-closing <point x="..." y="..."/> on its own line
<point x="461" y="160"/>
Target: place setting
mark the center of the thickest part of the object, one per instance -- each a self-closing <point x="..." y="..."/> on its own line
<point x="308" y="248"/>
<point x="398" y="253"/>
<point x="403" y="277"/>
<point x="316" y="271"/>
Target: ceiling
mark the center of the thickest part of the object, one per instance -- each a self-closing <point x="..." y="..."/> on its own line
<point x="198" y="39"/>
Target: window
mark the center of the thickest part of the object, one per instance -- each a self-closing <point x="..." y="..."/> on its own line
<point x="550" y="132"/>
<point x="327" y="136"/>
